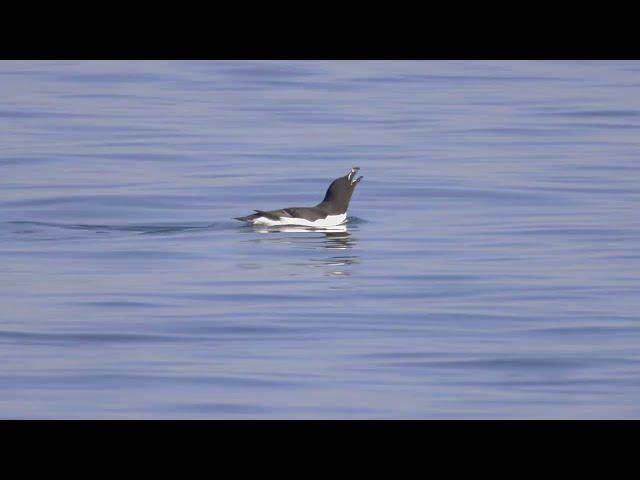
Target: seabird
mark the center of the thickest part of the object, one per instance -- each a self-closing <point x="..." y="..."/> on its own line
<point x="330" y="212"/>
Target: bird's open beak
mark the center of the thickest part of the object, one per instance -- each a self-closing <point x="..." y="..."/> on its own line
<point x="352" y="174"/>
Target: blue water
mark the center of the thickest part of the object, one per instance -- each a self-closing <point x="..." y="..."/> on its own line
<point x="490" y="268"/>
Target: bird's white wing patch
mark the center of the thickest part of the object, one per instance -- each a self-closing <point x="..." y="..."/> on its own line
<point x="328" y="221"/>
<point x="265" y="221"/>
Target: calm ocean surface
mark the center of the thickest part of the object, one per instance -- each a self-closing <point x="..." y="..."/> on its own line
<point x="490" y="269"/>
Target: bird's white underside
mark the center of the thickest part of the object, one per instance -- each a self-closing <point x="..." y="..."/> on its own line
<point x="328" y="221"/>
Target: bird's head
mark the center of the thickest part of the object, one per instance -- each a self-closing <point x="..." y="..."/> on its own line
<point x="341" y="189"/>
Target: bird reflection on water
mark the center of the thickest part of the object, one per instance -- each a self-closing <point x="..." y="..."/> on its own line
<point x="333" y="238"/>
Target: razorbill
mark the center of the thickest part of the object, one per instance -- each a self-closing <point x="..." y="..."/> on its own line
<point x="330" y="212"/>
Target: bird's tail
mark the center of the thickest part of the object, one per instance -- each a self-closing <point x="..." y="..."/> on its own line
<point x="248" y="218"/>
<point x="273" y="215"/>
